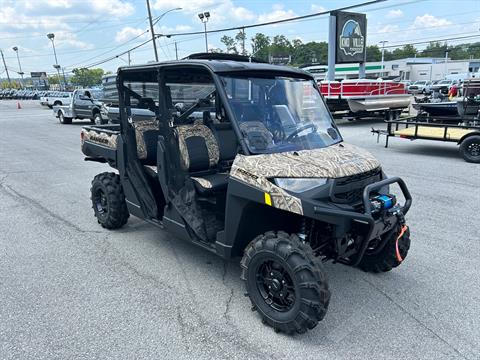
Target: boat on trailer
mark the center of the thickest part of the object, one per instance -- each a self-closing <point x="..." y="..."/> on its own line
<point x="363" y="96"/>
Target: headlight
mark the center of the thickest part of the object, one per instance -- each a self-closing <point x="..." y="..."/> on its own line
<point x="299" y="185"/>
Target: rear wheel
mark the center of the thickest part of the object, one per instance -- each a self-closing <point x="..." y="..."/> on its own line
<point x="391" y="255"/>
<point x="63" y="119"/>
<point x="470" y="149"/>
<point x="108" y="201"/>
<point x="285" y="282"/>
<point x="97" y="119"/>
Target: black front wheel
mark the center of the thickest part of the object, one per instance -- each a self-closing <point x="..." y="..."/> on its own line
<point x="470" y="149"/>
<point x="108" y="201"/>
<point x="389" y="252"/>
<point x="285" y="282"/>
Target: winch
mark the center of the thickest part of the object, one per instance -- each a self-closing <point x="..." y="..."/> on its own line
<point x="382" y="202"/>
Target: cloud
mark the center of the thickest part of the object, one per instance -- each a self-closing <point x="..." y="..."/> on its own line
<point x="128" y="33"/>
<point x="116" y="8"/>
<point x="221" y="11"/>
<point x="428" y="20"/>
<point x="394" y="14"/>
<point x="278" y="13"/>
<point x="317" y="8"/>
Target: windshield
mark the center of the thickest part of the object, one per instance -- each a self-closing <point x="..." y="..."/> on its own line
<point x="277" y="114"/>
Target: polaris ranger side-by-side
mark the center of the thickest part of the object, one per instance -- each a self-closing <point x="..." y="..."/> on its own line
<point x="244" y="159"/>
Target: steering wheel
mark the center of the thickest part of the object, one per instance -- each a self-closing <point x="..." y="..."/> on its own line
<point x="300" y="129"/>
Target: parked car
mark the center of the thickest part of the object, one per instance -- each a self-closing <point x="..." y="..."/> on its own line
<point x="443" y="86"/>
<point x="55" y="98"/>
<point x="418" y="87"/>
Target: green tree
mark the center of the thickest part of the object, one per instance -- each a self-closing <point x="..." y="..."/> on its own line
<point x="260" y="45"/>
<point x="435" y="49"/>
<point x="374" y="53"/>
<point x="240" y="40"/>
<point x="230" y="44"/>
<point x="310" y="53"/>
<point x="54" y="79"/>
<point x="87" y="77"/>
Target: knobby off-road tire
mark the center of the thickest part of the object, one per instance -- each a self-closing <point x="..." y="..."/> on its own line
<point x="63" y="119"/>
<point x="108" y="201"/>
<point x="387" y="259"/>
<point x="470" y="149"/>
<point x="285" y="282"/>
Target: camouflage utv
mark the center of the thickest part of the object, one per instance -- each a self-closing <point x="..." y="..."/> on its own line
<point x="243" y="159"/>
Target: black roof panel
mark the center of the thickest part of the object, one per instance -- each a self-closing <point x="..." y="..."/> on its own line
<point x="223" y="66"/>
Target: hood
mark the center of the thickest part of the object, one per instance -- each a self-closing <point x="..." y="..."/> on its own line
<point x="332" y="162"/>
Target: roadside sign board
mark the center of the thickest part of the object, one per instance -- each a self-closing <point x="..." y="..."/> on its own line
<point x="351" y="37"/>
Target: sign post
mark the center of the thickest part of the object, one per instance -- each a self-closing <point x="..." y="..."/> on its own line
<point x="347" y="41"/>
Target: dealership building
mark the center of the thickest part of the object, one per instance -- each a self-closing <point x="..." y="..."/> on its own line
<point x="412" y="69"/>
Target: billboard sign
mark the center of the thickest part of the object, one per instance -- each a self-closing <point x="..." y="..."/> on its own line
<point x="351" y="31"/>
<point x="39" y="80"/>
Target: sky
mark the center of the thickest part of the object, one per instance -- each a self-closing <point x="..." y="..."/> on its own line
<point x="87" y="31"/>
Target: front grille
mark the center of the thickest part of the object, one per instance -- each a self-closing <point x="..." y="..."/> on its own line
<point x="349" y="189"/>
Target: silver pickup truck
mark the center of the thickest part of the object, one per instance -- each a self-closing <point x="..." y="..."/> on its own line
<point x="83" y="105"/>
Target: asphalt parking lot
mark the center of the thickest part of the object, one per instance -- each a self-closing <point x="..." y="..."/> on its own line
<point x="72" y="290"/>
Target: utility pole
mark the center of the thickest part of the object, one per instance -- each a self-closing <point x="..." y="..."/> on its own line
<point x="128" y="58"/>
<point x="176" y="51"/>
<point x="6" y="70"/>
<point x="383" y="54"/>
<point x="151" y="30"/>
<point x="243" y="41"/>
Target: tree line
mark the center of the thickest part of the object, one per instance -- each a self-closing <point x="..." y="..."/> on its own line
<point x="264" y="47"/>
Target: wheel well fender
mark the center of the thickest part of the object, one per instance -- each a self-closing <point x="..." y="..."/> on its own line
<point x="468" y="135"/>
<point x="249" y="219"/>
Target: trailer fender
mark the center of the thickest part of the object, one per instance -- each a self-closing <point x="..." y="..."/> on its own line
<point x="474" y="132"/>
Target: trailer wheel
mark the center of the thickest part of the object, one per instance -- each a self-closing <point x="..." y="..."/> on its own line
<point x="108" y="201"/>
<point x="63" y="119"/>
<point x="470" y="149"/>
<point x="391" y="255"/>
<point x="285" y="282"/>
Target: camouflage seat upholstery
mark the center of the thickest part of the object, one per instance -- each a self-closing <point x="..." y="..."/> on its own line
<point x="146" y="136"/>
<point x="199" y="155"/>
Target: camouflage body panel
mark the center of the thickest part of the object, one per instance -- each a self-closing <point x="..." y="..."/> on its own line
<point x="140" y="127"/>
<point x="335" y="161"/>
<point x="186" y="131"/>
<point x="101" y="138"/>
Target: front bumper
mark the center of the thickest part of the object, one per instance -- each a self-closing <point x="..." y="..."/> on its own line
<point x="373" y="225"/>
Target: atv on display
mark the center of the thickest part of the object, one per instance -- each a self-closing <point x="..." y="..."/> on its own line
<point x="244" y="159"/>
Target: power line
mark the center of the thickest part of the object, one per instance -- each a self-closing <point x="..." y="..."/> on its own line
<point x="276" y="21"/>
<point x="432" y="40"/>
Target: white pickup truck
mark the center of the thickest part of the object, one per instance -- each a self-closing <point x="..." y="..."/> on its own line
<point x="53" y="98"/>
<point x="82" y="105"/>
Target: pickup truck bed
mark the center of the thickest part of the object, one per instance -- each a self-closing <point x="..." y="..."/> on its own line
<point x="99" y="142"/>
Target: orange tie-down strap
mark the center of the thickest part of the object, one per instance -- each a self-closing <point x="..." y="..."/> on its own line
<point x="397" y="251"/>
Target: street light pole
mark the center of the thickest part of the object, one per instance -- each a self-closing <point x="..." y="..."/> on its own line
<point x="383" y="53"/>
<point x="19" y="65"/>
<point x="152" y="31"/>
<point x="51" y="37"/>
<point x="204" y="17"/>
